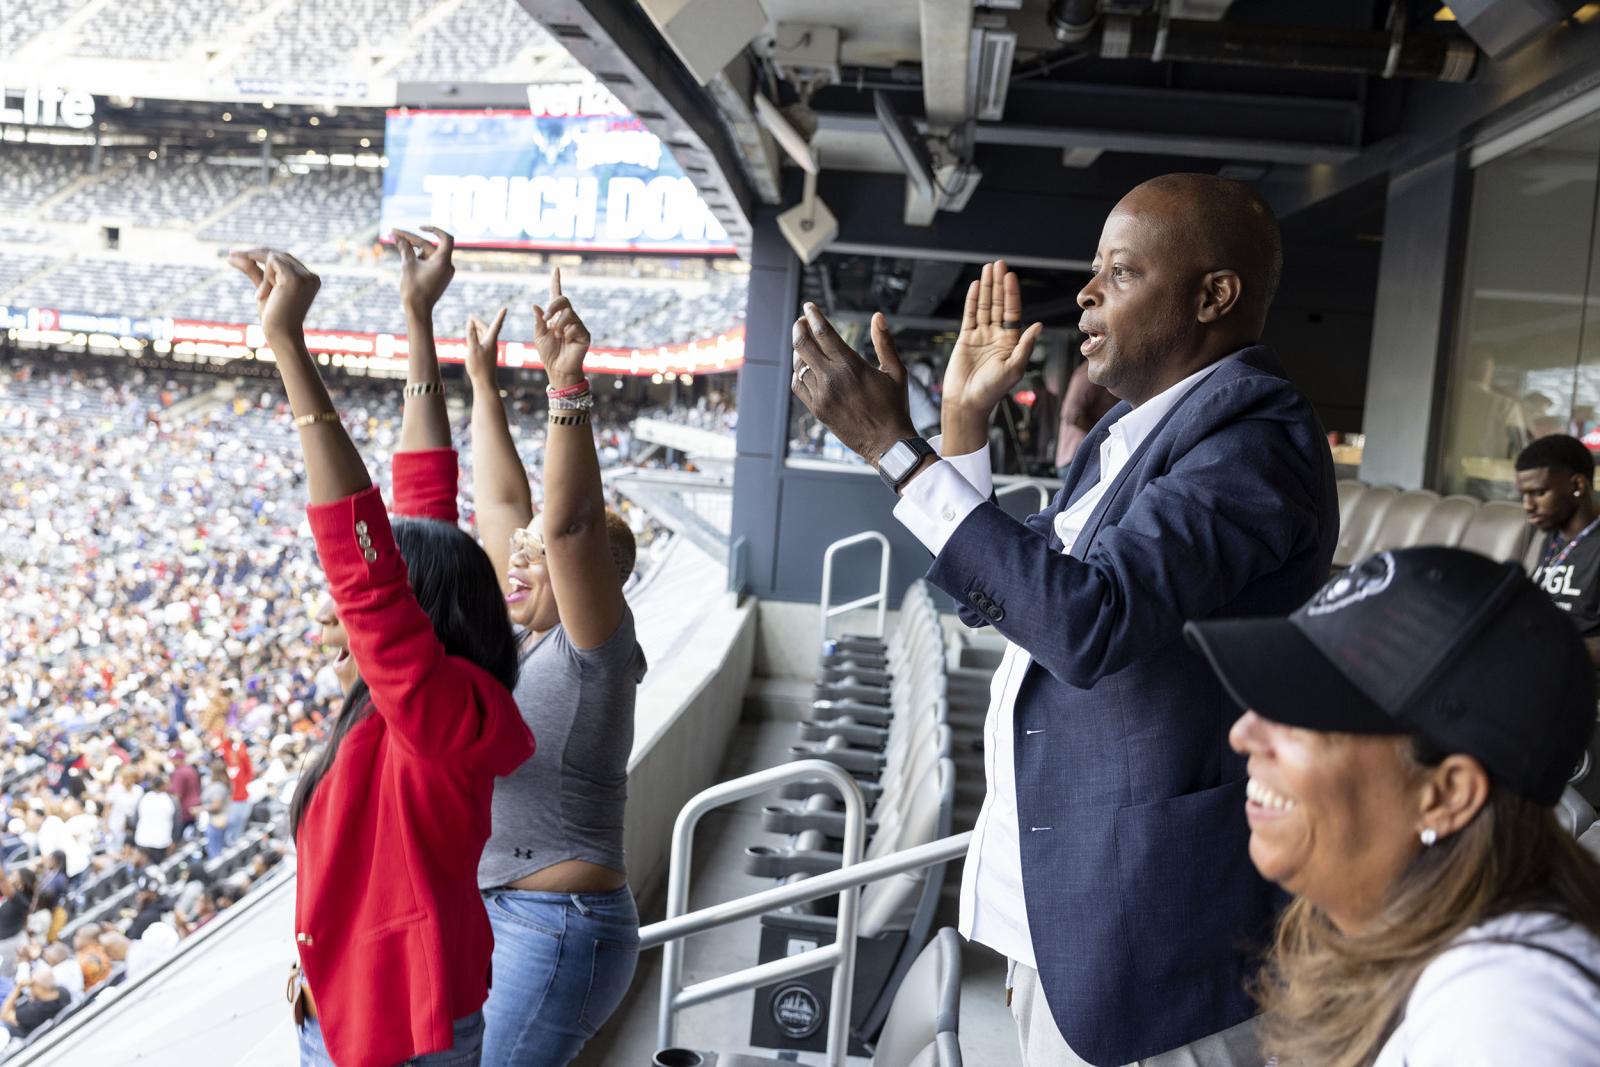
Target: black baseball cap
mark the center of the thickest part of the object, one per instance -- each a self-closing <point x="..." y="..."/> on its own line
<point x="1439" y="642"/>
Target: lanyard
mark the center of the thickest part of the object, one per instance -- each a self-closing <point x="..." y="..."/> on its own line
<point x="1567" y="549"/>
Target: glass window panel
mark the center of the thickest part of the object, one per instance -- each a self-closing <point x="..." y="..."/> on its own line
<point x="1023" y="434"/>
<point x="1515" y="374"/>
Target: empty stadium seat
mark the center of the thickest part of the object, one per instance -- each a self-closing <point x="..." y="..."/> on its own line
<point x="1366" y="515"/>
<point x="1590" y="839"/>
<point x="1383" y="518"/>
<point x="901" y="760"/>
<point x="1498" y="530"/>
<point x="1349" y="490"/>
<point x="1447" y="521"/>
<point x="1575" y="814"/>
<point x="1403" y="522"/>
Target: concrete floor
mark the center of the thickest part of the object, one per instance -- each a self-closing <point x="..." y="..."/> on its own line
<point x="988" y="1037"/>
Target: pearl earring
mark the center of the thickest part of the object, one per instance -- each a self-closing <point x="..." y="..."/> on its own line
<point x="1430" y="837"/>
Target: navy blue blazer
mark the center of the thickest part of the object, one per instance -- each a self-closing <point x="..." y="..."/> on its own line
<point x="1146" y="915"/>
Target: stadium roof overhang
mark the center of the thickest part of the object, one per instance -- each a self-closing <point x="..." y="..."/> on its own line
<point x="959" y="131"/>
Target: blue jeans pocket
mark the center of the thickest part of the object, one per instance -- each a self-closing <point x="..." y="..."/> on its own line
<point x="610" y="974"/>
<point x="528" y="938"/>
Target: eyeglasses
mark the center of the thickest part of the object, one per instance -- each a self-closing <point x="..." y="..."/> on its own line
<point x="525" y="540"/>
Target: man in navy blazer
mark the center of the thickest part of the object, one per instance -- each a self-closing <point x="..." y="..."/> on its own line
<point x="1110" y="863"/>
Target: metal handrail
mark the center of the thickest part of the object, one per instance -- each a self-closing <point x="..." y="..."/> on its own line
<point x="841" y="955"/>
<point x="880" y="598"/>
<point x="814" y="887"/>
<point x="1042" y="488"/>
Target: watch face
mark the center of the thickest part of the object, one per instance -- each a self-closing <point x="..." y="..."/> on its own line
<point x="898" y="460"/>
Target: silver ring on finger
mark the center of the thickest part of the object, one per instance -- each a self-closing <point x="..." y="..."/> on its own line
<point x="1011" y="324"/>
<point x="800" y="374"/>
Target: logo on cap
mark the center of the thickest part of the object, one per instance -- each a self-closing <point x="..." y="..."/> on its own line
<point x="1368" y="578"/>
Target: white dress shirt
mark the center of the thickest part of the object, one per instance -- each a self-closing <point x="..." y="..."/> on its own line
<point x="931" y="507"/>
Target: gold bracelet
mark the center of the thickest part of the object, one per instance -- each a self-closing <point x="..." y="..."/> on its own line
<point x="424" y="389"/>
<point x="302" y="421"/>
<point x="580" y="419"/>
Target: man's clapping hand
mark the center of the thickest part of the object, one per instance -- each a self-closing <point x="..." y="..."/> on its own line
<point x="989" y="357"/>
<point x="864" y="406"/>
<point x="285" y="289"/>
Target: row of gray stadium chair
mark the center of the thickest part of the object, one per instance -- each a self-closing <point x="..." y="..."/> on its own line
<point x="313" y="40"/>
<point x="331" y="40"/>
<point x="111" y="287"/>
<point x="158" y="29"/>
<point x="479" y="36"/>
<point x="310" y="213"/>
<point x="922" y="1028"/>
<point x="1380" y="518"/>
<point x="32" y="174"/>
<point x="880" y="715"/>
<point x="22" y="22"/>
<point x="154" y="192"/>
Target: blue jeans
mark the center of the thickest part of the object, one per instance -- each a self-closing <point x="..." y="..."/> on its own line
<point x="238" y="819"/>
<point x="467" y="1049"/>
<point x="215" y="839"/>
<point x="562" y="964"/>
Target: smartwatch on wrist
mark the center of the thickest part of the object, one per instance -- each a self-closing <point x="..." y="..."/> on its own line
<point x="896" y="465"/>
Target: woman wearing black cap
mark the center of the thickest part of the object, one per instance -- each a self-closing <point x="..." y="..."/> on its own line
<point x="1408" y="732"/>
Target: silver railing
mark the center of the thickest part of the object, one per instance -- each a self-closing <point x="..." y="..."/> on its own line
<point x="841" y="955"/>
<point x="846" y="882"/>
<point x="880" y="598"/>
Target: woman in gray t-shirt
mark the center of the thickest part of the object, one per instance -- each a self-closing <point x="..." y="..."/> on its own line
<point x="553" y="876"/>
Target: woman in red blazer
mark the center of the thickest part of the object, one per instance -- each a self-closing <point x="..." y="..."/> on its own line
<point x="390" y="820"/>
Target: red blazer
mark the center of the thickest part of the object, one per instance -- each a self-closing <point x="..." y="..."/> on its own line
<point x="425" y="482"/>
<point x="392" y="935"/>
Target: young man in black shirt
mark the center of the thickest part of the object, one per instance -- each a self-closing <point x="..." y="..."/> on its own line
<point x="1555" y="476"/>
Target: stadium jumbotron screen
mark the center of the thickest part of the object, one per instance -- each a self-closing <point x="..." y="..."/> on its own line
<point x="512" y="179"/>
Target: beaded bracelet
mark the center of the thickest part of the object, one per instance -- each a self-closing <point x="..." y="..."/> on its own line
<point x="302" y="421"/>
<point x="579" y="418"/>
<point x="570" y="390"/>
<point x="424" y="389"/>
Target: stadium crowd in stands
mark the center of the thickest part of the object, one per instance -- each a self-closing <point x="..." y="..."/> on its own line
<point x="161" y="679"/>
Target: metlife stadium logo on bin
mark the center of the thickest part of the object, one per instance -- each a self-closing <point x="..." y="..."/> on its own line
<point x="514" y="179"/>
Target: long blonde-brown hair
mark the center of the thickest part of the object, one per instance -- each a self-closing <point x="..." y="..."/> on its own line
<point x="1332" y="999"/>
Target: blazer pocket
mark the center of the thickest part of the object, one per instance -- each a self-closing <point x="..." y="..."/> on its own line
<point x="389" y="926"/>
<point x="1191" y="901"/>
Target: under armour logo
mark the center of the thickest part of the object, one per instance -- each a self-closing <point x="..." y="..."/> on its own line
<point x="522" y="853"/>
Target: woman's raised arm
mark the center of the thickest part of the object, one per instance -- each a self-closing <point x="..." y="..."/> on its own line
<point x="284" y="292"/>
<point x="500" y="491"/>
<point x="425" y="273"/>
<point x="583" y="575"/>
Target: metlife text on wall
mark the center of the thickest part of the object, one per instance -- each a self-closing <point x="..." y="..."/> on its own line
<point x="44" y="105"/>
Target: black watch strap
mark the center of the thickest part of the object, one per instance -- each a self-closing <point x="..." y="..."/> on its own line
<point x="902" y="459"/>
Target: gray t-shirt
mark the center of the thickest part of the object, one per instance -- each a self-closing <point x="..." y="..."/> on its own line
<point x="567" y="801"/>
